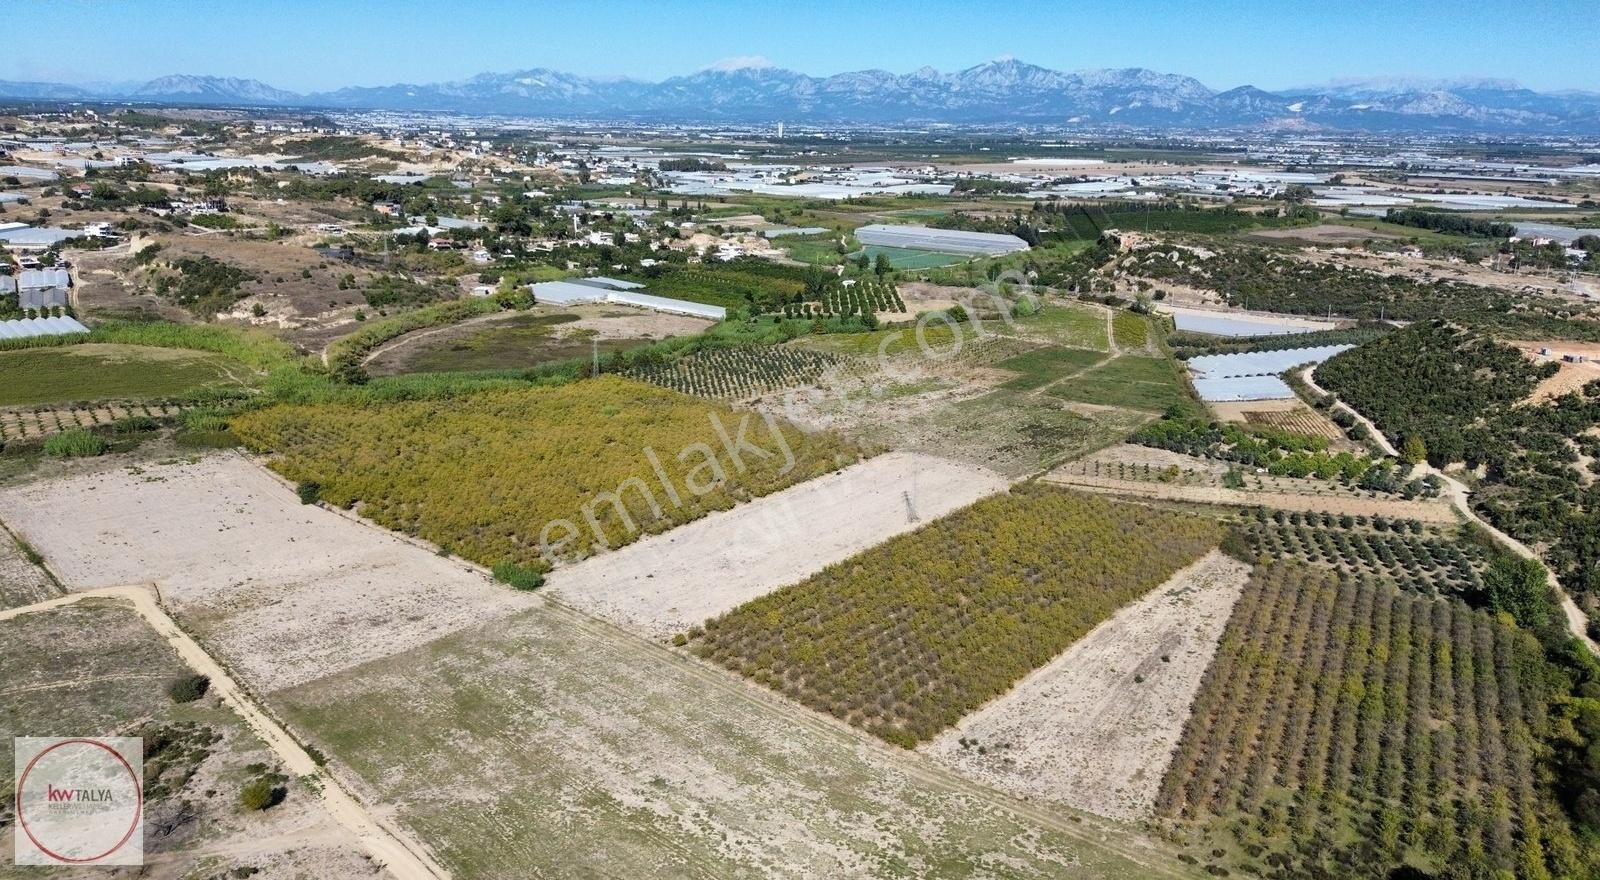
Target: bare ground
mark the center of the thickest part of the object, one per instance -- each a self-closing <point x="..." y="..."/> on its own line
<point x="96" y="668"/>
<point x="284" y="592"/>
<point x="666" y="583"/>
<point x="21" y="582"/>
<point x="1095" y="728"/>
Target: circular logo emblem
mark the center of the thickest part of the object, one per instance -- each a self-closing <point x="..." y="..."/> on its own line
<point x="79" y="801"/>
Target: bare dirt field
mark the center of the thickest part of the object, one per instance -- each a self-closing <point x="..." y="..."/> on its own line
<point x="284" y="592"/>
<point x="666" y="583"/>
<point x="550" y="744"/>
<point x="1095" y="728"/>
<point x="97" y="669"/>
<point x="1572" y="376"/>
<point x="21" y="582"/>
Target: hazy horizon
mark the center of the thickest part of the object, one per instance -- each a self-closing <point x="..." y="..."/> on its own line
<point x="1274" y="46"/>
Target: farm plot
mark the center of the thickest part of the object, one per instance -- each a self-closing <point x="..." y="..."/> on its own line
<point x="527" y="476"/>
<point x="735" y="373"/>
<point x="99" y="371"/>
<point x="1297" y="419"/>
<point x="1424" y="754"/>
<point x="1402" y="552"/>
<point x="1130" y="381"/>
<point x="1040" y="367"/>
<point x="282" y="591"/>
<point x="907" y="258"/>
<point x="28" y="424"/>
<point x="1096" y="727"/>
<point x="865" y="296"/>
<point x="96" y="668"/>
<point x="552" y="745"/>
<point x="667" y="583"/>
<point x="908" y="637"/>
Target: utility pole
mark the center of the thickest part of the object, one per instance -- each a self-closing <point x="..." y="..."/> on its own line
<point x="594" y="344"/>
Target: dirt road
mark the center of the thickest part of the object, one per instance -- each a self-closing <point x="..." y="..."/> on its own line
<point x="405" y="858"/>
<point x="1460" y="499"/>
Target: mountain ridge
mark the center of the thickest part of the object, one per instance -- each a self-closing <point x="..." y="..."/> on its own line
<point x="1000" y="91"/>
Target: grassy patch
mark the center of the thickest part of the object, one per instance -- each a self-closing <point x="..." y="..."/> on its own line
<point x="93" y="371"/>
<point x="909" y="258"/>
<point x="1070" y="325"/>
<point x="906" y="638"/>
<point x="1130" y="330"/>
<point x="1045" y="365"/>
<point x="1145" y="383"/>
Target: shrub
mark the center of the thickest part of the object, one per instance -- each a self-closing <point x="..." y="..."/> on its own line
<point x="74" y="444"/>
<point x="259" y="794"/>
<point x="519" y="577"/>
<point x="309" y="491"/>
<point x="188" y="688"/>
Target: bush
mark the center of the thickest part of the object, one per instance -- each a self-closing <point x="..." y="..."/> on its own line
<point x="75" y="444"/>
<point x="188" y="688"/>
<point x="259" y="794"/>
<point x="519" y="577"/>
<point x="309" y="491"/>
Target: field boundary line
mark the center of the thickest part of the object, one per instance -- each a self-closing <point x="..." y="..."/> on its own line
<point x="387" y="844"/>
<point x="1093" y="832"/>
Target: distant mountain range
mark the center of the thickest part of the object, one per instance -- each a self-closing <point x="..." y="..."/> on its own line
<point x="994" y="92"/>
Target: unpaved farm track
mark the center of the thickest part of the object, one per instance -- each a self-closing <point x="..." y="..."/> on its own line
<point x="391" y="847"/>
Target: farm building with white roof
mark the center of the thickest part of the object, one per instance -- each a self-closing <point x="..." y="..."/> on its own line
<point x="944" y="241"/>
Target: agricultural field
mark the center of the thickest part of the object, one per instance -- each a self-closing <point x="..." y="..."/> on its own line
<point x="96" y="371"/>
<point x="1132" y="382"/>
<point x="1403" y="552"/>
<point x="1095" y="727"/>
<point x="97" y="668"/>
<point x="1296" y="420"/>
<point x="309" y="591"/>
<point x="1069" y="324"/>
<point x="30" y="424"/>
<point x="550" y="744"/>
<point x="908" y="258"/>
<point x="666" y="583"/>
<point x="1040" y="367"/>
<point x="1537" y="458"/>
<point x="1424" y="755"/>
<point x="906" y="638"/>
<point x="1130" y="330"/>
<point x="516" y="476"/>
<point x="737" y="373"/>
<point x="866" y="296"/>
<point x="518" y="340"/>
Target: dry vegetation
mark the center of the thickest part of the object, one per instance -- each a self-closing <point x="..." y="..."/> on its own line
<point x="483" y="475"/>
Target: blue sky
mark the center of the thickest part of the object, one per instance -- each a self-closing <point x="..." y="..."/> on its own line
<point x="307" y="45"/>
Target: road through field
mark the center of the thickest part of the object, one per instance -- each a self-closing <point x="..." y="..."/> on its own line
<point x="1460" y="499"/>
<point x="405" y="858"/>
